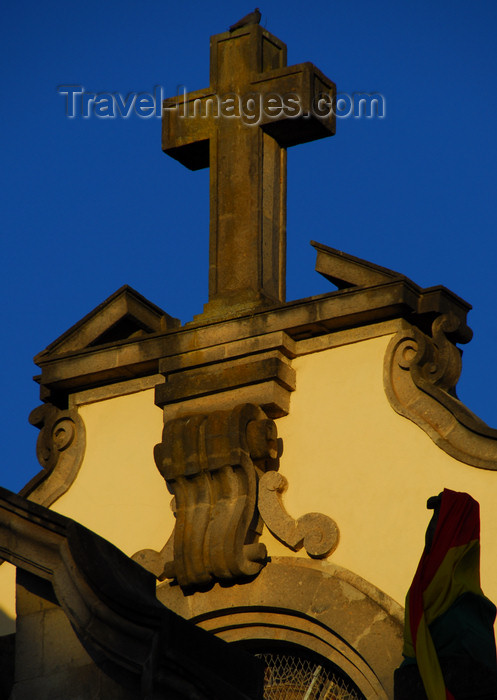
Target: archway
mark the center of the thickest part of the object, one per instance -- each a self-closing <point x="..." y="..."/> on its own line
<point x="314" y="605"/>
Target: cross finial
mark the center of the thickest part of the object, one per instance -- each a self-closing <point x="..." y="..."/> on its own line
<point x="240" y="127"/>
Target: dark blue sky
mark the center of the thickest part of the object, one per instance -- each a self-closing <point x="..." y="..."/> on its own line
<point x="91" y="204"/>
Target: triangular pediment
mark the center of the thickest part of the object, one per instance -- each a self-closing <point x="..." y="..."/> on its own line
<point x="125" y="314"/>
<point x="344" y="270"/>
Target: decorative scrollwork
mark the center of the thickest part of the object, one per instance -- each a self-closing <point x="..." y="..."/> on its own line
<point x="60" y="449"/>
<point x="420" y="377"/>
<point x="433" y="361"/>
<point x="222" y="469"/>
<point x="316" y="532"/>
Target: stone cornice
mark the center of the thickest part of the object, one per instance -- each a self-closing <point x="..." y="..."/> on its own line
<point x="344" y="270"/>
<point x="126" y="313"/>
<point x="128" y="358"/>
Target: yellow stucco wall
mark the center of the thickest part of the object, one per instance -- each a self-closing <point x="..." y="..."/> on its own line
<point x="346" y="453"/>
<point x="7" y="598"/>
<point x="349" y="455"/>
<point x="118" y="493"/>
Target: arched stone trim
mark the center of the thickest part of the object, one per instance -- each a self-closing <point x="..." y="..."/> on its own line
<point x="315" y="604"/>
<point x="111" y="605"/>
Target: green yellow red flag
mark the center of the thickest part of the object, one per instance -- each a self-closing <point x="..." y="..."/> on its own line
<point x="449" y="568"/>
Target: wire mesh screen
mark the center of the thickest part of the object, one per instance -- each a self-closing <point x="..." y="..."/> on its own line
<point x="289" y="677"/>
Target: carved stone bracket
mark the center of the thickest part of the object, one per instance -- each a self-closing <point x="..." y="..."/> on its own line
<point x="316" y="532"/>
<point x="60" y="449"/>
<point x="212" y="464"/>
<point x="420" y="376"/>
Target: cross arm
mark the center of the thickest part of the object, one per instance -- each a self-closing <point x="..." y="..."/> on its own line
<point x="303" y="104"/>
<point x="187" y="127"/>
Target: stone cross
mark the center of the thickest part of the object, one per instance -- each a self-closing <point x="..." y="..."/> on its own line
<point x="240" y="126"/>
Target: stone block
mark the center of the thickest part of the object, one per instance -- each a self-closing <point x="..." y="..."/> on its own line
<point x="29" y="647"/>
<point x="223" y="376"/>
<point x="62" y="648"/>
<point x="270" y="396"/>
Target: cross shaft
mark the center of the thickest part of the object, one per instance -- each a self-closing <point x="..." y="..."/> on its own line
<point x="240" y="127"/>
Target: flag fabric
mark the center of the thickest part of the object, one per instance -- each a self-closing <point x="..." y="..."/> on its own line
<point x="449" y="568"/>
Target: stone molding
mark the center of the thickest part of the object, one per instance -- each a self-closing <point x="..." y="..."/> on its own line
<point x="111" y="391"/>
<point x="349" y="308"/>
<point x="420" y="375"/>
<point x="216" y="465"/>
<point x="60" y="449"/>
<point x="125" y="314"/>
<point x="344" y="270"/>
<point x="314" y="604"/>
<point x="110" y="601"/>
<point x="278" y="342"/>
<point x="250" y="370"/>
<point x="223" y="380"/>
